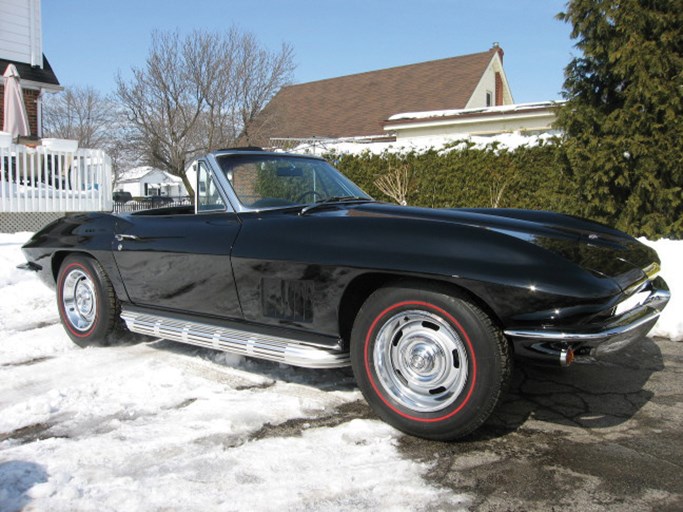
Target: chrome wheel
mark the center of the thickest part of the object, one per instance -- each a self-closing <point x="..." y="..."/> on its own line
<point x="420" y="361"/>
<point x="79" y="299"/>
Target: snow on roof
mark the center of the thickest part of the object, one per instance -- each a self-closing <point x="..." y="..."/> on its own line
<point x="138" y="173"/>
<point x="502" y="109"/>
<point x="357" y="146"/>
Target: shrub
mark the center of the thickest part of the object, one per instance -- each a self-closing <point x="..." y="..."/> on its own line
<point x="465" y="176"/>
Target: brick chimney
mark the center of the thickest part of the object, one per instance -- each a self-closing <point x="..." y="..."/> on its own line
<point x="496" y="47"/>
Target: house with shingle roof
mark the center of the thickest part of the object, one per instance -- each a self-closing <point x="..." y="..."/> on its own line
<point x="359" y="105"/>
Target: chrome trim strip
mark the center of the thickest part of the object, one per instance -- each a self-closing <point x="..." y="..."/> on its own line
<point x="649" y="311"/>
<point x="272" y="348"/>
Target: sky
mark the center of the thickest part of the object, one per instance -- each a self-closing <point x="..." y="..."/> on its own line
<point x="89" y="41"/>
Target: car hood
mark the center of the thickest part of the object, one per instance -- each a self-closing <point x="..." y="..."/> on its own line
<point x="594" y="247"/>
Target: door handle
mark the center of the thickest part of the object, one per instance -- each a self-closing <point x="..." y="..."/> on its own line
<point x="121" y="237"/>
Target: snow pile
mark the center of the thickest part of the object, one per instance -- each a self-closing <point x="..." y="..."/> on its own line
<point x="670" y="324"/>
<point x="418" y="145"/>
<point x="163" y="426"/>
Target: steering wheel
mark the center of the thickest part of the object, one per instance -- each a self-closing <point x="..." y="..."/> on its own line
<point x="309" y="193"/>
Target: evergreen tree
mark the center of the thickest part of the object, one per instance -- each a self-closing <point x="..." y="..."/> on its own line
<point x="623" y="121"/>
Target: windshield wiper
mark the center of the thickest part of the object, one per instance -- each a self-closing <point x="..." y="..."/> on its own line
<point x="330" y="200"/>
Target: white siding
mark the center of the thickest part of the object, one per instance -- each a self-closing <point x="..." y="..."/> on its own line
<point x="136" y="189"/>
<point x="488" y="84"/>
<point x="156" y="181"/>
<point x="527" y="123"/>
<point x="20" y="31"/>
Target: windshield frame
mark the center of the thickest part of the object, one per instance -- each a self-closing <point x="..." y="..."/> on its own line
<point x="223" y="163"/>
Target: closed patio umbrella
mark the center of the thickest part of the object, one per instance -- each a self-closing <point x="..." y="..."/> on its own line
<point x="15" y="120"/>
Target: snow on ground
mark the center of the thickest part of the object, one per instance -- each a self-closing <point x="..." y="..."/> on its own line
<point x="159" y="426"/>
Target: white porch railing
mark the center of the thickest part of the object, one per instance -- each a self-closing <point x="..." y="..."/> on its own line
<point x="44" y="180"/>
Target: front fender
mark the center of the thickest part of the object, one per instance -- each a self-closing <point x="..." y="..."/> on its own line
<point x="88" y="233"/>
<point x="511" y="275"/>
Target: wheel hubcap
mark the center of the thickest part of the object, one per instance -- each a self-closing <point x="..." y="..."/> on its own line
<point x="79" y="300"/>
<point x="420" y="361"/>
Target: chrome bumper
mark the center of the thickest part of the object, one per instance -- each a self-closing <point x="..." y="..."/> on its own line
<point x="551" y="345"/>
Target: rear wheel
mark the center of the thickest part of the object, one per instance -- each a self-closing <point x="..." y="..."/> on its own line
<point x="429" y="363"/>
<point x="87" y="304"/>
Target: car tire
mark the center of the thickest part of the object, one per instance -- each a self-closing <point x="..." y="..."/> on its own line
<point x="429" y="362"/>
<point x="88" y="306"/>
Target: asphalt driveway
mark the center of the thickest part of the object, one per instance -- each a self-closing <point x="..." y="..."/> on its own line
<point x="606" y="436"/>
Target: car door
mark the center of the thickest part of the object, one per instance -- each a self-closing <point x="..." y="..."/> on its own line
<point x="180" y="260"/>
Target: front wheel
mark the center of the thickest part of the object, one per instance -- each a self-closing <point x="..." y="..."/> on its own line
<point x="88" y="307"/>
<point x="430" y="363"/>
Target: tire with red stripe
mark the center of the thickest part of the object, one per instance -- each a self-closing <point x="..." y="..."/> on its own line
<point x="428" y="361"/>
<point x="88" y="307"/>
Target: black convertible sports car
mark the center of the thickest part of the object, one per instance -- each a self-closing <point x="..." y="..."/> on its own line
<point x="283" y="258"/>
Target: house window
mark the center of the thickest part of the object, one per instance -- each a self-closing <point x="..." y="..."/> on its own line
<point x="489" y="99"/>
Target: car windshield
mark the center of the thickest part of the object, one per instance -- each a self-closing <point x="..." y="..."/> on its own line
<point x="270" y="181"/>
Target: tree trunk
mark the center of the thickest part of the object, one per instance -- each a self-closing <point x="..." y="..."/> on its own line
<point x="188" y="186"/>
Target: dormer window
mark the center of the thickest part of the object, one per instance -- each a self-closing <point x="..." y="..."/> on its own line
<point x="489" y="99"/>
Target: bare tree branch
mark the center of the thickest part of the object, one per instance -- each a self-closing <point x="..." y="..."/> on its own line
<point x="79" y="113"/>
<point x="396" y="184"/>
<point x="198" y="93"/>
<point x="95" y="120"/>
<point x="496" y="191"/>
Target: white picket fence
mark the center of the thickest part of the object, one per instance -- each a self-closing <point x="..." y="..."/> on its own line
<point x="43" y="180"/>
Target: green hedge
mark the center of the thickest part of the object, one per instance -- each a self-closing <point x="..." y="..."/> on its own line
<point x="539" y="178"/>
<point x="530" y="177"/>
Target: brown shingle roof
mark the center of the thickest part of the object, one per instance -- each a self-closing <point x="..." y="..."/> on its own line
<point x="357" y="105"/>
